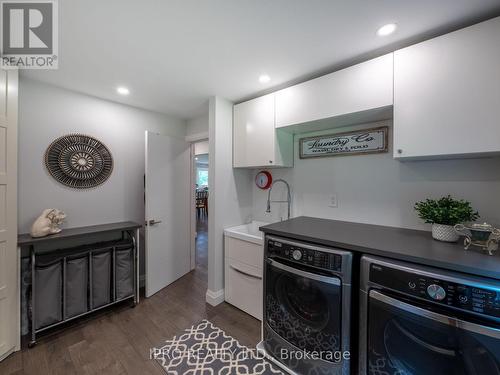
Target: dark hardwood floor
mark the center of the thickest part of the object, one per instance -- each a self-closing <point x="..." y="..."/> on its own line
<point x="202" y="247"/>
<point x="119" y="341"/>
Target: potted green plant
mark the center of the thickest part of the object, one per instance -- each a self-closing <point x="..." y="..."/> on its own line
<point x="444" y="214"/>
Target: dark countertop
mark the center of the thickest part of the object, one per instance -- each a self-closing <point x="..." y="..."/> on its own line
<point x="25" y="239"/>
<point x="397" y="243"/>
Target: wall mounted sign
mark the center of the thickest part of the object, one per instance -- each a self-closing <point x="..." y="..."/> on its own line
<point x="79" y="161"/>
<point x="364" y="141"/>
<point x="263" y="180"/>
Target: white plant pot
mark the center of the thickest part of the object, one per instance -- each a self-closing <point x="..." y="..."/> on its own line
<point x="446" y="233"/>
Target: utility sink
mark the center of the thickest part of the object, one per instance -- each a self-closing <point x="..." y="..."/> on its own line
<point x="247" y="232"/>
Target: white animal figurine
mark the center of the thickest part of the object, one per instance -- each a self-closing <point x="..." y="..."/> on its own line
<point x="48" y="223"/>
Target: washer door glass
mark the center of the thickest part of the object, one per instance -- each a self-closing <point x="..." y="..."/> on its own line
<point x="304" y="308"/>
<point x="405" y="339"/>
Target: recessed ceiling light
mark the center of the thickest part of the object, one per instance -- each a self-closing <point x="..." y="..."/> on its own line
<point x="122" y="90"/>
<point x="387" y="29"/>
<point x="264" y="78"/>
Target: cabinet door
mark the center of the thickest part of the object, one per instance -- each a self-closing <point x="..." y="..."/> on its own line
<point x="358" y="88"/>
<point x="244" y="251"/>
<point x="254" y="133"/>
<point x="243" y="287"/>
<point x="447" y="94"/>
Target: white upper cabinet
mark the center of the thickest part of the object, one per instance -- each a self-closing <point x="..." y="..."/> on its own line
<point x="447" y="95"/>
<point x="256" y="142"/>
<point x="362" y="87"/>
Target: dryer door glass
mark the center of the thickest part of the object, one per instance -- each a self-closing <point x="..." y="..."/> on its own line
<point x="304" y="308"/>
<point x="406" y="339"/>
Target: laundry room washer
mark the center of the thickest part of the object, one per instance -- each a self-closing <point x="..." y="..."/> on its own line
<point x="420" y="320"/>
<point x="307" y="302"/>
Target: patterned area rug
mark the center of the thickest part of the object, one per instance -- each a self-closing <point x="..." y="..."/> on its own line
<point x="205" y="349"/>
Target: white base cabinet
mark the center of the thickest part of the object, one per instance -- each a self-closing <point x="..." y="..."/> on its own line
<point x="256" y="142"/>
<point x="447" y="95"/>
<point x="243" y="273"/>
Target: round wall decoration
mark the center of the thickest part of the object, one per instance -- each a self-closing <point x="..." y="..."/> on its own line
<point x="79" y="161"/>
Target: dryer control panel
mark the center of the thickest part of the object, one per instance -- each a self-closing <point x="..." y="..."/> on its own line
<point x="471" y="297"/>
<point x="307" y="255"/>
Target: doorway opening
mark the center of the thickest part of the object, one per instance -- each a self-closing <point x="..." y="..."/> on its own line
<point x="201" y="194"/>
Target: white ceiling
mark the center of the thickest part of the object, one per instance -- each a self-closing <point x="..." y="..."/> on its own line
<point x="174" y="54"/>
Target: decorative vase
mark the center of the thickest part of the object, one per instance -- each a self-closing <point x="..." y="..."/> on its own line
<point x="444" y="233"/>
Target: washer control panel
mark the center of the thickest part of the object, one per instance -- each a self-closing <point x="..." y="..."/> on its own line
<point x="297" y="254"/>
<point x="471" y="297"/>
<point x="436" y="292"/>
<point x="304" y="255"/>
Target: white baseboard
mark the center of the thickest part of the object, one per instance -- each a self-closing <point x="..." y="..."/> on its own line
<point x="214" y="298"/>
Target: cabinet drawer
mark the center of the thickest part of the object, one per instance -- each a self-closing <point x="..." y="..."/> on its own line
<point x="243" y="287"/>
<point x="243" y="251"/>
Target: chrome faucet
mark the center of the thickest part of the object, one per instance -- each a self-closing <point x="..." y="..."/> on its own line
<point x="288" y="196"/>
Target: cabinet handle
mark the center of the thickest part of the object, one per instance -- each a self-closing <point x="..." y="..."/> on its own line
<point x="153" y="222"/>
<point x="400" y="151"/>
<point x="245" y="273"/>
<point x="270" y="162"/>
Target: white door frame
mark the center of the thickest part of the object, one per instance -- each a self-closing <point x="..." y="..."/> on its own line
<point x="198" y="137"/>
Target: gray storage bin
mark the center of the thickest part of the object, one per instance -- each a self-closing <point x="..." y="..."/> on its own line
<point x="25" y="295"/>
<point x="48" y="292"/>
<point x="101" y="277"/>
<point x="124" y="271"/>
<point x="76" y="285"/>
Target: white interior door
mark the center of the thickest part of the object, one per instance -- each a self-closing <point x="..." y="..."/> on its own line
<point x="9" y="297"/>
<point x="168" y="173"/>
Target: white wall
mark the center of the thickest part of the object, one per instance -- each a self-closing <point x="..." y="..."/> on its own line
<point x="47" y="112"/>
<point x="201" y="148"/>
<point x="377" y="189"/>
<point x="230" y="199"/>
<point x="197" y="125"/>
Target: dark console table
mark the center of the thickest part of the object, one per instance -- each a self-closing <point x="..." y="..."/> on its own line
<point x="70" y="282"/>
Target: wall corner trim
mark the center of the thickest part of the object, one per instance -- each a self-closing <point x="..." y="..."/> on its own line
<point x="214" y="298"/>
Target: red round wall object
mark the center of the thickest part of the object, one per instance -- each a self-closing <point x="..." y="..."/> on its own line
<point x="263" y="180"/>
